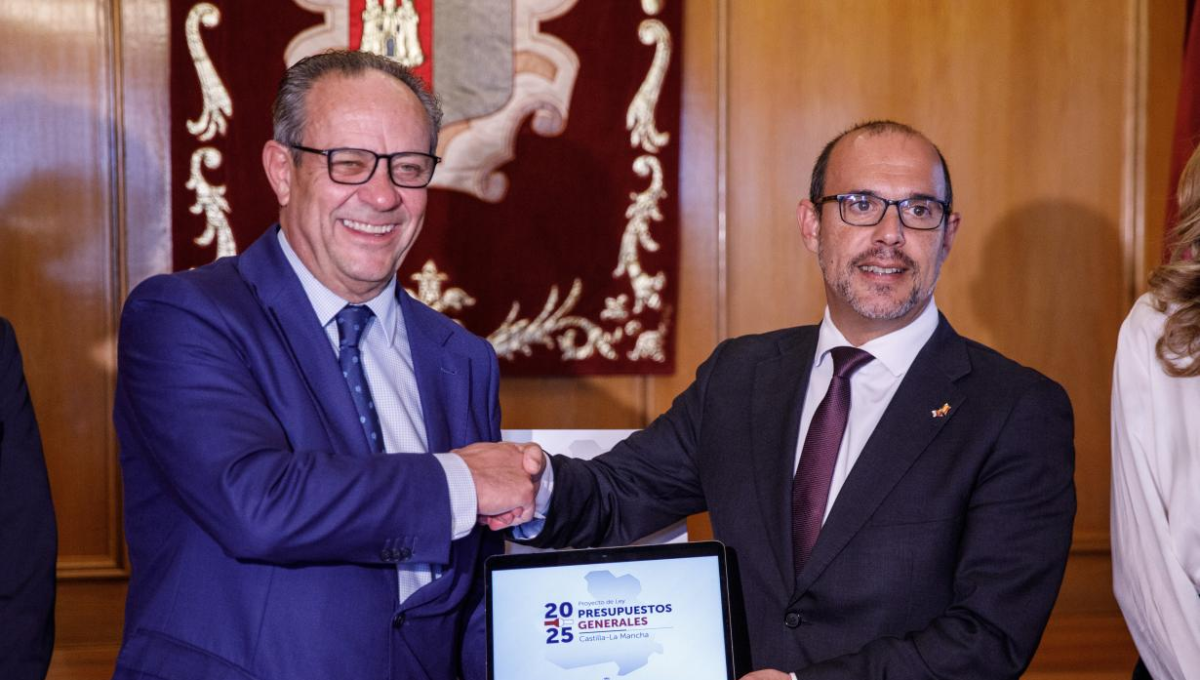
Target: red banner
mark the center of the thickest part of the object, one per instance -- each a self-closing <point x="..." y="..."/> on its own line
<point x="553" y="220"/>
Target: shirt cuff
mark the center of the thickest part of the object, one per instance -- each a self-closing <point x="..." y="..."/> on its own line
<point x="541" y="505"/>
<point x="541" y="502"/>
<point x="463" y="506"/>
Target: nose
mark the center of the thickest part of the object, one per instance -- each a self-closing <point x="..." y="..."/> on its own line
<point x="379" y="192"/>
<point x="889" y="231"/>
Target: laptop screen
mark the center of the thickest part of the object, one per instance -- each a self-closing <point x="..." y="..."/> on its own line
<point x="658" y="612"/>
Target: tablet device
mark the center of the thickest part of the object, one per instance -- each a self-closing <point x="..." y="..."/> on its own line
<point x="657" y="612"/>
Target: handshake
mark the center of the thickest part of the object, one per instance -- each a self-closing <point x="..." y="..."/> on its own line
<point x="507" y="477"/>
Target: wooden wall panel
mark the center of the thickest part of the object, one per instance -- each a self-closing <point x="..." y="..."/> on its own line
<point x="57" y="254"/>
<point x="1164" y="38"/>
<point x="60" y="283"/>
<point x="1031" y="119"/>
<point x="1045" y="115"/>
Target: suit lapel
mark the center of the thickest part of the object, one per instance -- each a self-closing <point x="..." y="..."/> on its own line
<point x="907" y="428"/>
<point x="443" y="377"/>
<point x="779" y="387"/>
<point x="267" y="271"/>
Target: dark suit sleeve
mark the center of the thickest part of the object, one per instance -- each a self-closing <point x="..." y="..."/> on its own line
<point x="647" y="482"/>
<point x="194" y="416"/>
<point x="28" y="537"/>
<point x="1013" y="552"/>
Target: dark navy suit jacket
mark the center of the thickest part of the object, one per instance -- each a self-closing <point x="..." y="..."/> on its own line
<point x="944" y="551"/>
<point x="263" y="534"/>
<point x="28" y="536"/>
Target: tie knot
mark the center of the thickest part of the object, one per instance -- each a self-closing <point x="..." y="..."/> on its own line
<point x="847" y="360"/>
<point x="351" y="322"/>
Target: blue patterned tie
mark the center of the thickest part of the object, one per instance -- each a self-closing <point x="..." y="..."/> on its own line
<point x="351" y="323"/>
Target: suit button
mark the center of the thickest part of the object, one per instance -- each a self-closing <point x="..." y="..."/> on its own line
<point x="398" y="620"/>
<point x="403" y="554"/>
<point x="792" y="620"/>
<point x="386" y="555"/>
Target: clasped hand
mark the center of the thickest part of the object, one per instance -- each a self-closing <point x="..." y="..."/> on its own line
<point x="506" y="480"/>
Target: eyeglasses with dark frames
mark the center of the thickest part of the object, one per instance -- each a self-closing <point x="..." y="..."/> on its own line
<point x="407" y="169"/>
<point x="867" y="210"/>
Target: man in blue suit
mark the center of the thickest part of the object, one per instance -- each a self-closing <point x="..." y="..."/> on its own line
<point x="286" y="419"/>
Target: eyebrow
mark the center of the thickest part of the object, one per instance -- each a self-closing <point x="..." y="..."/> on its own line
<point x="869" y="192"/>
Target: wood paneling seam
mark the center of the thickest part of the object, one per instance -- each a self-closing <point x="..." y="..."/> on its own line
<point x="722" y="38"/>
<point x="118" y="267"/>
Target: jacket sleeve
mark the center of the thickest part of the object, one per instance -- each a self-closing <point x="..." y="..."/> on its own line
<point x="645" y="483"/>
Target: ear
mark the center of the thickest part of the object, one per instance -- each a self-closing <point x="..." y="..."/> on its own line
<point x="952" y="221"/>
<point x="277" y="163"/>
<point x="810" y="223"/>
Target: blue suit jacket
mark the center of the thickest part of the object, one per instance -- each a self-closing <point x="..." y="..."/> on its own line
<point x="262" y="533"/>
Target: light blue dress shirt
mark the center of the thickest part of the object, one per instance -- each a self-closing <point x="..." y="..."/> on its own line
<point x="388" y="365"/>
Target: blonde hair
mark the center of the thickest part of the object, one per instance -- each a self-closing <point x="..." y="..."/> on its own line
<point x="1177" y="283"/>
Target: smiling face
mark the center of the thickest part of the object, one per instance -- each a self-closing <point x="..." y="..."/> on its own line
<point x="351" y="237"/>
<point x="878" y="279"/>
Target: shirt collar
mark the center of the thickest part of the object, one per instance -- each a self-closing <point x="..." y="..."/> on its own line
<point x="327" y="304"/>
<point x="896" y="351"/>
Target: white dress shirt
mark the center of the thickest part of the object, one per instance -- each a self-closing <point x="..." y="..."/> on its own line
<point x="388" y="366"/>
<point x="1156" y="500"/>
<point x="871" y="387"/>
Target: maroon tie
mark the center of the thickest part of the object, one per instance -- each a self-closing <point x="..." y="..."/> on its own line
<point x="810" y="487"/>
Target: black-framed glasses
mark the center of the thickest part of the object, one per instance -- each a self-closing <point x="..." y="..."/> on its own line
<point x="408" y="169"/>
<point x="867" y="210"/>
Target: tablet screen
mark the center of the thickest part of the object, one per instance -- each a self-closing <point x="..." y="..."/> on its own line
<point x="653" y="618"/>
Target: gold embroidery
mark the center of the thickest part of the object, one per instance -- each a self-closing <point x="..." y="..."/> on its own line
<point x="210" y="200"/>
<point x="553" y="326"/>
<point x="213" y="121"/>
<point x="614" y="308"/>
<point x="652" y="7"/>
<point x="644" y="208"/>
<point x="217" y="104"/>
<point x="429" y="290"/>
<point x="649" y="345"/>
<point x="639" y="119"/>
<point x="391" y="31"/>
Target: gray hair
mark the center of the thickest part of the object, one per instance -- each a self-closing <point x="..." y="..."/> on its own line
<point x="288" y="112"/>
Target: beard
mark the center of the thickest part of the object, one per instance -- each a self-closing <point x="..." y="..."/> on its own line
<point x="878" y="301"/>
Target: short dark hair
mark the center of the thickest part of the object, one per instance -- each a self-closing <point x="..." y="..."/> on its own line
<point x="816" y="189"/>
<point x="288" y="112"/>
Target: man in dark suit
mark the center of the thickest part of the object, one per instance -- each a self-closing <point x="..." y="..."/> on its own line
<point x="899" y="499"/>
<point x="286" y="419"/>
<point x="28" y="535"/>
